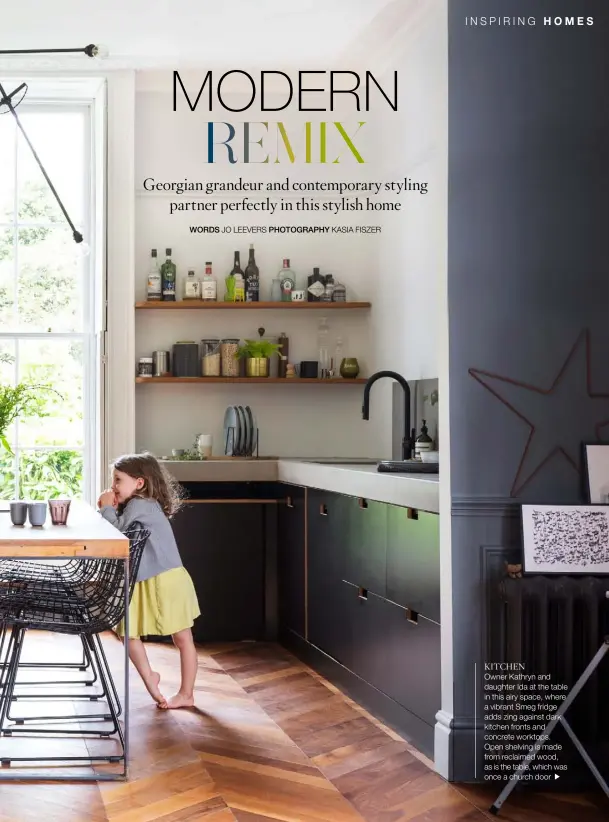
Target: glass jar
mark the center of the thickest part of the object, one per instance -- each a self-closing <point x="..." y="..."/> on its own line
<point x="276" y="290"/>
<point x="229" y="363"/>
<point x="145" y="367"/>
<point x="210" y="363"/>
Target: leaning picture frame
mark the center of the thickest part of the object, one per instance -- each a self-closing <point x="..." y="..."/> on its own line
<point x="596" y="473"/>
<point x="565" y="539"/>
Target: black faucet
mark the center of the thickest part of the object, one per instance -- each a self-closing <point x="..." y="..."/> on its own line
<point x="407" y="440"/>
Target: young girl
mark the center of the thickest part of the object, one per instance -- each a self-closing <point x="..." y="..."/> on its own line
<point x="164" y="601"/>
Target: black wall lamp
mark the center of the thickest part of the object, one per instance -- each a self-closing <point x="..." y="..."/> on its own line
<point x="9" y="103"/>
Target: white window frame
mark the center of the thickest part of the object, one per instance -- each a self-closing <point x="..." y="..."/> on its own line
<point x="87" y="96"/>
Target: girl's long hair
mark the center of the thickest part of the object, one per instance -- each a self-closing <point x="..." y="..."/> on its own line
<point x="158" y="484"/>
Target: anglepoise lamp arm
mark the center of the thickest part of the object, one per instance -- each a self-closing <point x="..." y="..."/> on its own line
<point x="7" y="100"/>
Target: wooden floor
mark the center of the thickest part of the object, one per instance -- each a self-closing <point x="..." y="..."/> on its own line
<point x="268" y="740"/>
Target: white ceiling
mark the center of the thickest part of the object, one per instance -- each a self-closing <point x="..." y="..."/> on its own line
<point x="158" y="34"/>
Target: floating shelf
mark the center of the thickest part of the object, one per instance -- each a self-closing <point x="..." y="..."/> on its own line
<point x="253" y="380"/>
<point x="211" y="306"/>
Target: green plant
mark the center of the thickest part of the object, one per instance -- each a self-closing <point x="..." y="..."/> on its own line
<point x="42" y="475"/>
<point x="257" y="349"/>
<point x="18" y="402"/>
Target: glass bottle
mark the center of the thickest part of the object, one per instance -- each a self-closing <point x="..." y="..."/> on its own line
<point x="154" y="290"/>
<point x="323" y="332"/>
<point x="252" y="279"/>
<point x="192" y="287"/>
<point x="423" y="442"/>
<point x="326" y="297"/>
<point x="168" y="277"/>
<point x="209" y="287"/>
<point x="276" y="290"/>
<point x="315" y="286"/>
<point x="339" y="293"/>
<point x="287" y="279"/>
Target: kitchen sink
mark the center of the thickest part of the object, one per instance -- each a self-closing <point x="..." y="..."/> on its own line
<point x="408" y="467"/>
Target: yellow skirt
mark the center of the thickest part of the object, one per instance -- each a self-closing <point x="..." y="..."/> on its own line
<point x="162" y="605"/>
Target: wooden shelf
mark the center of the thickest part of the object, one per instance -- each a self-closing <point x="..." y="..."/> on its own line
<point x="252" y="380"/>
<point x="211" y="306"/>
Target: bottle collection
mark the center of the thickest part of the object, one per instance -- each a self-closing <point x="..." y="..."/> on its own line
<point x="240" y="285"/>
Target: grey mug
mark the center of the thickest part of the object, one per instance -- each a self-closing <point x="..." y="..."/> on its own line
<point x="18" y="513"/>
<point x="37" y="512"/>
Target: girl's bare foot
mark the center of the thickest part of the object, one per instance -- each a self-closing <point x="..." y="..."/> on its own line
<point x="152" y="686"/>
<point x="179" y="701"/>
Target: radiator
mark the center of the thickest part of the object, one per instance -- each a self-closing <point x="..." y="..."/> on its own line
<point x="555" y="625"/>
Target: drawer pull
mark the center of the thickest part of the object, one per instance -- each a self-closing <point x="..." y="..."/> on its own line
<point x="412" y="616"/>
<point x="412" y="513"/>
<point x="362" y="593"/>
<point x="289" y="502"/>
<point x="363" y="503"/>
<point x="323" y="510"/>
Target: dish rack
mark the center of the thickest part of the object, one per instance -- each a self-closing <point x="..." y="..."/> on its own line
<point x="240" y="453"/>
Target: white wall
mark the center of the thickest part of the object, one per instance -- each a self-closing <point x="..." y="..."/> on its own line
<point x="295" y="419"/>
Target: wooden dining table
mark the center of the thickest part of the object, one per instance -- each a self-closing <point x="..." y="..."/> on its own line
<point x="88" y="535"/>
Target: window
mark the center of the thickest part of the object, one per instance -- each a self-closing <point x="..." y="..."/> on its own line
<point x="48" y="301"/>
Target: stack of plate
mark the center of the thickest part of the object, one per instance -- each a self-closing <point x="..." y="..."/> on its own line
<point x="240" y="431"/>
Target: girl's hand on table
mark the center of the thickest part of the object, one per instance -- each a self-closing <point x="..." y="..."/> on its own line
<point x="108" y="497"/>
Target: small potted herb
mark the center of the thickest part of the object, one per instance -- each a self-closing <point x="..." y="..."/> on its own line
<point x="257" y="354"/>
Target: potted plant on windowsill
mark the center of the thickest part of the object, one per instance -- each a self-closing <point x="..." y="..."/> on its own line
<point x="257" y="354"/>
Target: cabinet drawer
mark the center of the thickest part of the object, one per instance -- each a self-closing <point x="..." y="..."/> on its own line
<point x="413" y="560"/>
<point x="412" y="671"/>
<point x="366" y="549"/>
<point x="364" y="648"/>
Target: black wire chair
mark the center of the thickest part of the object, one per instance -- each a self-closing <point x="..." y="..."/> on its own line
<point x="62" y="576"/>
<point x="86" y="602"/>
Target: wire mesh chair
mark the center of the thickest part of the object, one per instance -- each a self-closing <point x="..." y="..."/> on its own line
<point x="63" y="576"/>
<point x="86" y="608"/>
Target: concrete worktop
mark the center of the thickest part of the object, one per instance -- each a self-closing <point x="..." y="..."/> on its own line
<point x="356" y="479"/>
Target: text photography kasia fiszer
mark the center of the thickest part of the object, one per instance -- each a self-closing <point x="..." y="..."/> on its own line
<point x="323" y="140"/>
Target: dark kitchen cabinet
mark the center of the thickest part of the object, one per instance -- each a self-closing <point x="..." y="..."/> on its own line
<point x="222" y="546"/>
<point x="411" y="673"/>
<point x="291" y="560"/>
<point x="413" y="560"/>
<point x="327" y="531"/>
<point x="363" y="648"/>
<point x="366" y="545"/>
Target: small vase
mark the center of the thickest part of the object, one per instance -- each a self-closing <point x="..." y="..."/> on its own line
<point x="257" y="367"/>
<point x="349" y="368"/>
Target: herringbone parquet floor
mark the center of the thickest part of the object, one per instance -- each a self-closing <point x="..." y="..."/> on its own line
<point x="268" y="740"/>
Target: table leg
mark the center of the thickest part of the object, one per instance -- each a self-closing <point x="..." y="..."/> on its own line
<point x="126" y="623"/>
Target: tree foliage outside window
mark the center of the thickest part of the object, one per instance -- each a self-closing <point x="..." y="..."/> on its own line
<point x="46" y="299"/>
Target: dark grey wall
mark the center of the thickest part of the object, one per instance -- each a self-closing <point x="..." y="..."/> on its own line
<point x="528" y="273"/>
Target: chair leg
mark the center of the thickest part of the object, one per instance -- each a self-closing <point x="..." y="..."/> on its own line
<point x="110" y="714"/>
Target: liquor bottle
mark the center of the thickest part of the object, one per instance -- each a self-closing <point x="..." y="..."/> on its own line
<point x="316" y="287"/>
<point x="252" y="279"/>
<point x="287" y="281"/>
<point x="209" y="287"/>
<point x="423" y="442"/>
<point x="238" y="279"/>
<point x="154" y="288"/>
<point x="326" y="297"/>
<point x="192" y="287"/>
<point x="168" y="277"/>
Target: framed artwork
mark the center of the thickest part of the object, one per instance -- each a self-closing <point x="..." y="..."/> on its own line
<point x="596" y="462"/>
<point x="565" y="539"/>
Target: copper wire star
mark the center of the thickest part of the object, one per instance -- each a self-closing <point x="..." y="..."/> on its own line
<point x="519" y="483"/>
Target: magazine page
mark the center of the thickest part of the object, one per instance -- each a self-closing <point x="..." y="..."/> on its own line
<point x="303" y="408"/>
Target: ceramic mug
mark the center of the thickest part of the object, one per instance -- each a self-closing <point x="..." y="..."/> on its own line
<point x="37" y="513"/>
<point x="18" y="513"/>
<point x="299" y="296"/>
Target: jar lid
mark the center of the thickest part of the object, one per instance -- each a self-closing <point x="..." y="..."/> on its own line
<point x="146" y="359"/>
<point x="230" y="340"/>
<point x="210" y="340"/>
<point x="185" y="342"/>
